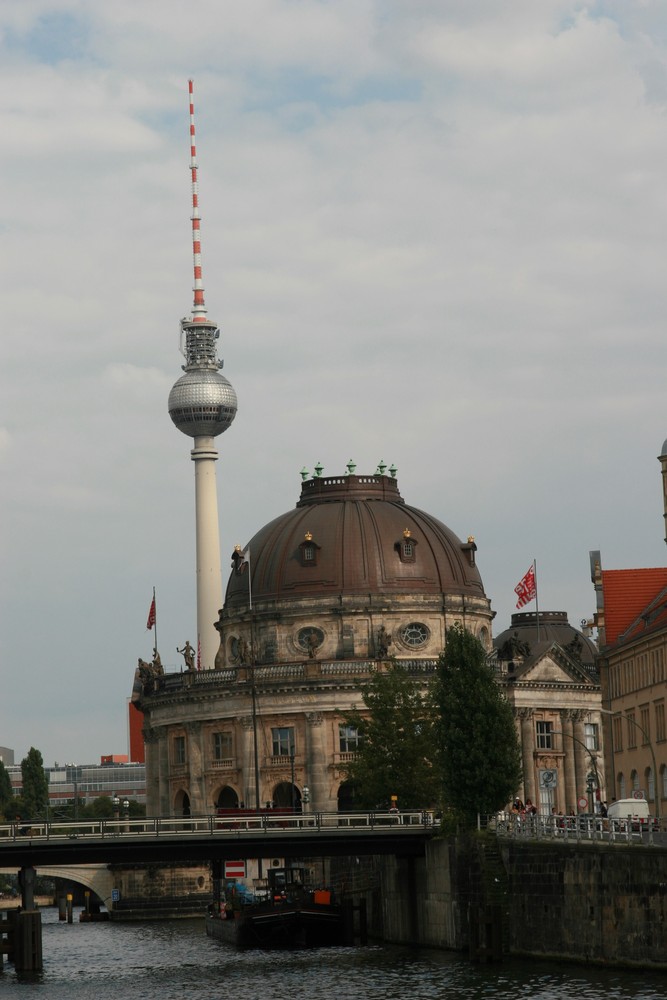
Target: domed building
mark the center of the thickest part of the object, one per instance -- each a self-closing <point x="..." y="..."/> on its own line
<point x="320" y="598"/>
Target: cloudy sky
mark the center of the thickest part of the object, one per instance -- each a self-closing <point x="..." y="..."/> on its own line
<point x="434" y="233"/>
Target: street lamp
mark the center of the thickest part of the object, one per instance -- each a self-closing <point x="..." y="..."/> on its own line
<point x="590" y="785"/>
<point x="116" y="806"/>
<point x="126" y="813"/>
<point x="630" y="718"/>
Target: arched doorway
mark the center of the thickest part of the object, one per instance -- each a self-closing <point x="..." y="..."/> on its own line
<point x="287" y="796"/>
<point x="346" y="797"/>
<point x="227" y="799"/>
<point x="182" y="804"/>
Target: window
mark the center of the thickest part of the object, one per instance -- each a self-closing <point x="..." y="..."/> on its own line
<point x="663" y="775"/>
<point x="634" y="781"/>
<point x="645" y="723"/>
<point x="545" y="735"/>
<point x="222" y="746"/>
<point x="621" y="786"/>
<point x="660" y="721"/>
<point x="308" y="550"/>
<point x="309" y="638"/>
<point x="179" y="750"/>
<point x="618" y="734"/>
<point x="415" y="634"/>
<point x="349" y="738"/>
<point x="591" y="736"/>
<point x="283" y="741"/>
<point x="650" y="783"/>
<point x="407" y="547"/>
<point x="632" y="730"/>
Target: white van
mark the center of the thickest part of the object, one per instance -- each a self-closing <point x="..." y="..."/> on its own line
<point x="636" y="810"/>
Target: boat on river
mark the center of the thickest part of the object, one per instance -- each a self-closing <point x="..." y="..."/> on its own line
<point x="288" y="914"/>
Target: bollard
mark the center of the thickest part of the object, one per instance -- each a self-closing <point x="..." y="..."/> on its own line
<point x="69" y="907"/>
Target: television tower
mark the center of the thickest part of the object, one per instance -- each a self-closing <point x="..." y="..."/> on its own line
<point x="202" y="404"/>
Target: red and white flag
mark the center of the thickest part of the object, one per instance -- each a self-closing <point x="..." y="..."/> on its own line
<point x="526" y="588"/>
<point x="151" y="615"/>
<point x="198" y="653"/>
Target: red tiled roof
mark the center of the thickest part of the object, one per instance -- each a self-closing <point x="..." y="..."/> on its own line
<point x="627" y="592"/>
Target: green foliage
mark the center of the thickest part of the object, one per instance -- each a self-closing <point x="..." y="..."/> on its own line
<point x="35" y="786"/>
<point x="396" y="751"/>
<point x="480" y="755"/>
<point x="6" y="795"/>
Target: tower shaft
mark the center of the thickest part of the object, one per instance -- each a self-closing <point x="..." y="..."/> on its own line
<point x="209" y="570"/>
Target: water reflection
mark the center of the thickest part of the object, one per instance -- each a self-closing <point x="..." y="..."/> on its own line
<point x="174" y="960"/>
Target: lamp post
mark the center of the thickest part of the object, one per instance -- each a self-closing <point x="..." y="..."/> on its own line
<point x="116" y="806"/>
<point x="630" y="718"/>
<point x="126" y="814"/>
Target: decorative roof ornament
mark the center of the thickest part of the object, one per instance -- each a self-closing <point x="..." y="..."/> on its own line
<point x="304" y="474"/>
<point x="406" y="533"/>
<point x="382" y="465"/>
<point x="393" y="470"/>
<point x="319" y="469"/>
<point x="308" y="536"/>
<point x="351" y="466"/>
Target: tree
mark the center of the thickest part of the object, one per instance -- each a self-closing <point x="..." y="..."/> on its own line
<point x="6" y="794"/>
<point x="395" y="754"/>
<point x="480" y="754"/>
<point x="35" y="793"/>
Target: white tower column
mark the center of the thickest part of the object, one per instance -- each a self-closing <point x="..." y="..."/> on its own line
<point x="209" y="570"/>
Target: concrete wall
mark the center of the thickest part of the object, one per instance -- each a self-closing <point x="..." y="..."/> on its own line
<point x="591" y="902"/>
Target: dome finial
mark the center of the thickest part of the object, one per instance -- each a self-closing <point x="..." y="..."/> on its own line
<point x="304" y="474"/>
<point x="351" y="466"/>
<point x="319" y="469"/>
<point x="382" y="466"/>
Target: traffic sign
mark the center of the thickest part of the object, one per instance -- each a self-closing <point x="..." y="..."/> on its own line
<point x="582" y="803"/>
<point x="234" y="869"/>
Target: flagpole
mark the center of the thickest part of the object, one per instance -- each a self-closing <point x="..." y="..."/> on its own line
<point x="155" y="622"/>
<point x="537" y="606"/>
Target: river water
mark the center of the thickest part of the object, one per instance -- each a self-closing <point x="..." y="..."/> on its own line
<point x="174" y="960"/>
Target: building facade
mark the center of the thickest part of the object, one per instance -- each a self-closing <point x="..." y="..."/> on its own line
<point x="547" y="671"/>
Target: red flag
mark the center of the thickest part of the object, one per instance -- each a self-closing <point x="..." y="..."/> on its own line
<point x="526" y="588"/>
<point x="151" y="615"/>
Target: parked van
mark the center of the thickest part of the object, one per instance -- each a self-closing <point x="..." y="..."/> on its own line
<point x="635" y="809"/>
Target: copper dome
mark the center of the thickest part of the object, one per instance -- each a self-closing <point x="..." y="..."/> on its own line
<point x="355" y="534"/>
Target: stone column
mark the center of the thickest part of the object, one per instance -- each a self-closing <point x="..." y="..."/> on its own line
<point x="571" y="789"/>
<point x="151" y="745"/>
<point x="528" y="753"/>
<point x="316" y="763"/>
<point x="248" y="763"/>
<point x="583" y="757"/>
<point x="198" y="806"/>
<point x="165" y="804"/>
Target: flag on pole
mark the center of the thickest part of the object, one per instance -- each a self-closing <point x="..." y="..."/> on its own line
<point x="198" y="653"/>
<point x="526" y="588"/>
<point x="151" y="615"/>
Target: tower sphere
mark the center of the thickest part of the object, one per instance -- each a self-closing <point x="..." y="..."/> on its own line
<point x="202" y="403"/>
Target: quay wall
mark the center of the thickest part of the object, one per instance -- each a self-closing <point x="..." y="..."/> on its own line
<point x="589" y="902"/>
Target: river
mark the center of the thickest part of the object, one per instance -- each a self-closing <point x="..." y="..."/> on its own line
<point x="174" y="960"/>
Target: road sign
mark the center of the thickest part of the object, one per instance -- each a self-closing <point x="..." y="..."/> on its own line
<point x="638" y="795"/>
<point x="234" y="869"/>
<point x="115" y="895"/>
<point x="582" y="803"/>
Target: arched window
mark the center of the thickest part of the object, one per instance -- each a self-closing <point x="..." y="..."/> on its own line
<point x="650" y="783"/>
<point x="634" y="781"/>
<point x="621" y="786"/>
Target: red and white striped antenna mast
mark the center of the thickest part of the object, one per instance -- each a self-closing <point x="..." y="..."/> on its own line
<point x="198" y="309"/>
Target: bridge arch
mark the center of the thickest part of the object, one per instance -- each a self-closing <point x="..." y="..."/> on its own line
<point x="97" y="878"/>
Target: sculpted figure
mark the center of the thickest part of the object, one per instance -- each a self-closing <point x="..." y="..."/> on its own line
<point x="383" y="642"/>
<point x="188" y="655"/>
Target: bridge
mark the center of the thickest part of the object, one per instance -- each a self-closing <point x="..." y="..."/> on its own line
<point x="205" y="838"/>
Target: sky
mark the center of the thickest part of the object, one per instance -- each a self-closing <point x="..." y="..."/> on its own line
<point x="433" y="233"/>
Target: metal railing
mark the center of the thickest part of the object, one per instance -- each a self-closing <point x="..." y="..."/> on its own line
<point x="215" y="826"/>
<point x="577" y="829"/>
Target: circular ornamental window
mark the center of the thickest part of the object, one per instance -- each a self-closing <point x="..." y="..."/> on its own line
<point x="415" y="634"/>
<point x="309" y="638"/>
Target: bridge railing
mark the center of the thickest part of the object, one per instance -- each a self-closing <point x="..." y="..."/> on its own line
<point x="214" y="825"/>
<point x="575" y="829"/>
